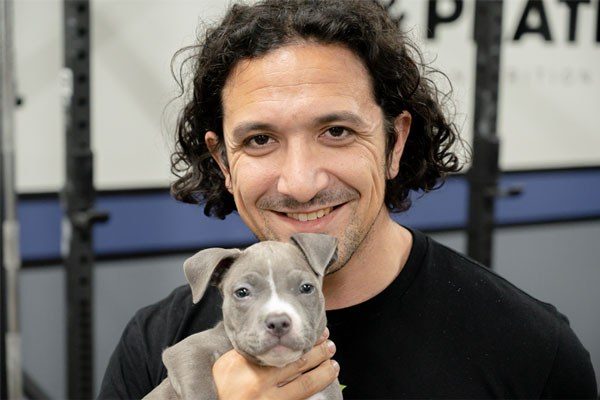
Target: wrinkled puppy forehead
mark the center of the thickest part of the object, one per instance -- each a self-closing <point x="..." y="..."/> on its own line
<point x="264" y="257"/>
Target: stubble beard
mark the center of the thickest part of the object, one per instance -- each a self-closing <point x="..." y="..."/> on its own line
<point x="348" y="243"/>
<point x="351" y="243"/>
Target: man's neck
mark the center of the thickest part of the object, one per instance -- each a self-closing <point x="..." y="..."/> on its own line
<point x="374" y="265"/>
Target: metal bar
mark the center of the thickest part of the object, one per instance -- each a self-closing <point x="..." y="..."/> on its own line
<point x="484" y="172"/>
<point x="78" y="199"/>
<point x="3" y="297"/>
<point x="12" y="374"/>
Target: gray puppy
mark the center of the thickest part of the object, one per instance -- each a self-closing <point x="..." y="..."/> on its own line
<point x="273" y="311"/>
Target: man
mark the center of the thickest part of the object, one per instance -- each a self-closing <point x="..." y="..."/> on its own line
<point x="313" y="116"/>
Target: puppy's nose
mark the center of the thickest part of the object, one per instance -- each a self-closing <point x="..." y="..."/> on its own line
<point x="278" y="324"/>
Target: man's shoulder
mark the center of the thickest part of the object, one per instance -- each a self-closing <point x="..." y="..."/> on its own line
<point x="176" y="316"/>
<point x="155" y="327"/>
<point x="135" y="366"/>
<point x="173" y="306"/>
<point x="524" y="336"/>
<point x="485" y="306"/>
<point x="465" y="277"/>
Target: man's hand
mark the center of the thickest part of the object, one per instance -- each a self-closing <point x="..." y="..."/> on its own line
<point x="237" y="378"/>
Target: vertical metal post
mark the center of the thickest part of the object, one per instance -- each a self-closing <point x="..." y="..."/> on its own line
<point x="10" y="352"/>
<point x="3" y="297"/>
<point x="78" y="198"/>
<point x="483" y="175"/>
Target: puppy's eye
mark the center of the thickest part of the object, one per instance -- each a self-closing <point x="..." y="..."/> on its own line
<point x="306" y="288"/>
<point x="241" y="293"/>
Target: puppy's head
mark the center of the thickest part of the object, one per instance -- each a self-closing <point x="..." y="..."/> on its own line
<point x="273" y="307"/>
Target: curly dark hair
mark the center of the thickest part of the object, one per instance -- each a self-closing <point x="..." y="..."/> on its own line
<point x="400" y="82"/>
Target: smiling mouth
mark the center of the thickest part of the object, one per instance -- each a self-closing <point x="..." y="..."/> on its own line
<point x="310" y="216"/>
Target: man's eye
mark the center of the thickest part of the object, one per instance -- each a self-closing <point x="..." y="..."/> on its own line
<point x="258" y="140"/>
<point x="241" y="293"/>
<point x="338" y="132"/>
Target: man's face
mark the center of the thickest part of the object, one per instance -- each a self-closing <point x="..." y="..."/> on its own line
<point x="305" y="145"/>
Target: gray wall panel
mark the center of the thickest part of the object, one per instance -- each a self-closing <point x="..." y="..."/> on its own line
<point x="43" y="325"/>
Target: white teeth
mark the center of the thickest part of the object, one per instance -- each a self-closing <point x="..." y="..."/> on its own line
<point x="310" y="216"/>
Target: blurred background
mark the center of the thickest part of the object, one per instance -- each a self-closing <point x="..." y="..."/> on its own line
<point x="546" y="241"/>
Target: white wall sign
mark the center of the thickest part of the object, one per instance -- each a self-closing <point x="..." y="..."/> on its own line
<point x="550" y="81"/>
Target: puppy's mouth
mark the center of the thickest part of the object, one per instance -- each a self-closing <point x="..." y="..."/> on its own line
<point x="279" y="355"/>
<point x="276" y="353"/>
<point x="290" y="342"/>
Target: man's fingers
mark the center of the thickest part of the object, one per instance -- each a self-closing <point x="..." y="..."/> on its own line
<point x="311" y="382"/>
<point x="314" y="357"/>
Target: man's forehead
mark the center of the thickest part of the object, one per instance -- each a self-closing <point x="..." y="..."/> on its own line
<point x="294" y="68"/>
<point x="306" y="84"/>
<point x="303" y="59"/>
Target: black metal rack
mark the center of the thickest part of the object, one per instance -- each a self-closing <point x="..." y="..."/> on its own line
<point x="10" y="346"/>
<point x="3" y="299"/>
<point x="484" y="172"/>
<point x="78" y="198"/>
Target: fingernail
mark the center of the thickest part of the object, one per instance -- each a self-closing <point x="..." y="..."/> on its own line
<point x="331" y="346"/>
<point x="335" y="365"/>
<point x="325" y="334"/>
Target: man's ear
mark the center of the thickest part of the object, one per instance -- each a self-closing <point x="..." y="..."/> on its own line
<point x="217" y="151"/>
<point x="207" y="267"/>
<point x="402" y="128"/>
<point x="320" y="250"/>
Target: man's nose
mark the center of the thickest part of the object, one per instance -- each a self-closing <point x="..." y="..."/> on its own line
<point x="302" y="175"/>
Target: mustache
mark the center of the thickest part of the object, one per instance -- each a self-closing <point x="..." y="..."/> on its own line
<point x="326" y="197"/>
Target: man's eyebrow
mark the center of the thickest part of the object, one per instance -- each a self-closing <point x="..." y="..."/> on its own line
<point x="342" y="116"/>
<point x="242" y="129"/>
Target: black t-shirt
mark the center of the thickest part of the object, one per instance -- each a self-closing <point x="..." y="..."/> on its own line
<point x="446" y="327"/>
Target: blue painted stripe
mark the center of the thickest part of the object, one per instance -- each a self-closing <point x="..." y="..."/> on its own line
<point x="153" y="222"/>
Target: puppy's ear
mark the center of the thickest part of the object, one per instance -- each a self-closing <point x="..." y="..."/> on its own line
<point x="319" y="249"/>
<point x="207" y="267"/>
